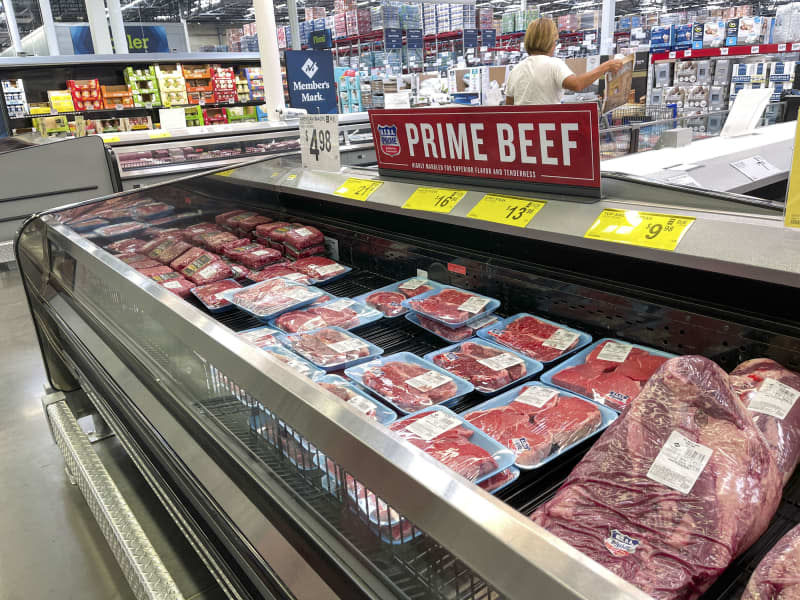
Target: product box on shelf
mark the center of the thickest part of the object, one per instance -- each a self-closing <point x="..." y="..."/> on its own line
<point x="683" y="36"/>
<point x="40" y="108"/>
<point x="194" y="116"/>
<point x="778" y="87"/>
<point x="750" y="29"/>
<point x="686" y="72"/>
<point x="215" y="116"/>
<point x="713" y="34"/>
<point x="146" y="98"/>
<point x="787" y="23"/>
<point x="116" y="96"/>
<point x="783" y="71"/>
<point x="196" y="71"/>
<point x="731" y="32"/>
<point x="241" y="114"/>
<point x="662" y="74"/>
<point x="201" y="98"/>
<point x="51" y="125"/>
<point x="662" y="38"/>
<point x="704" y="71"/>
<point x="136" y="123"/>
<point x="61" y="100"/>
<point x="675" y="95"/>
<point x="657" y="96"/>
<point x="14" y="95"/>
<point x="716" y="97"/>
<point x="697" y="97"/>
<point x="697" y="36"/>
<point x="722" y="72"/>
<point x="139" y="74"/>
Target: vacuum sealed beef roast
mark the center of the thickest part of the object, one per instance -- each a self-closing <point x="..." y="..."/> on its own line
<point x="777" y="576"/>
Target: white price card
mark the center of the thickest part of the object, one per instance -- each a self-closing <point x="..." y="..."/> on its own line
<point x="433" y="425"/>
<point x="412" y="284"/>
<point x="319" y="142"/>
<point x="614" y="352"/>
<point x="723" y="52"/>
<point x="362" y="405"/>
<point x="536" y="396"/>
<point x="348" y="345"/>
<point x="561" y="339"/>
<point x="501" y="361"/>
<point x="773" y="398"/>
<point x="781" y="47"/>
<point x="475" y="304"/>
<point x="755" y="167"/>
<point x="679" y="463"/>
<point x="429" y="380"/>
<point x="684" y="179"/>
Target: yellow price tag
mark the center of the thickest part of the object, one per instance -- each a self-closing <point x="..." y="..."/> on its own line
<point x="507" y="210"/>
<point x="434" y="199"/>
<point x="226" y="173"/>
<point x="111" y="140"/>
<point x="291" y="177"/>
<point x="357" y="189"/>
<point x="154" y="135"/>
<point x="791" y="212"/>
<point x="652" y="230"/>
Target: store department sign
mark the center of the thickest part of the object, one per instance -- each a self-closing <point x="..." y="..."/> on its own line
<point x="141" y="39"/>
<point x="529" y="147"/>
<point x="309" y="76"/>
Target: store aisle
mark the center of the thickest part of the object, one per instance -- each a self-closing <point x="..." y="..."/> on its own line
<point x="52" y="547"/>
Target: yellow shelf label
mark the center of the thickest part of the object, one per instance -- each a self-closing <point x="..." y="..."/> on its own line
<point x="226" y="173"/>
<point x="291" y="177"/>
<point x="112" y="139"/>
<point x="436" y="200"/>
<point x="651" y="230"/>
<point x="507" y="210"/>
<point x="357" y="189"/>
<point x="154" y="135"/>
<point x="791" y="212"/>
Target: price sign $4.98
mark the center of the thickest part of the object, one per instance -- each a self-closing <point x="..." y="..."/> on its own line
<point x="319" y="142"/>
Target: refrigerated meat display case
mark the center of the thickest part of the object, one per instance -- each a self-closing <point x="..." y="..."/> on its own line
<point x="259" y="465"/>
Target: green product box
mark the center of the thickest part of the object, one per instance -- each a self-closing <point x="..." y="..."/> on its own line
<point x="139" y="74"/>
<point x="194" y="115"/>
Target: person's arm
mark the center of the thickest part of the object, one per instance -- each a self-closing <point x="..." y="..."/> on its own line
<point x="509" y="99"/>
<point x="576" y="83"/>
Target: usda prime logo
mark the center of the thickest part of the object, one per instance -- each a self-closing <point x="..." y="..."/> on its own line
<point x="620" y="545"/>
<point x="388" y="142"/>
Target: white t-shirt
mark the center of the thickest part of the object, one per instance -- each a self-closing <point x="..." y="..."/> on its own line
<point x="538" y="80"/>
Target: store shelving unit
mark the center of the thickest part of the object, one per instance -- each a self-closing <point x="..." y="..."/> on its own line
<point x="726" y="51"/>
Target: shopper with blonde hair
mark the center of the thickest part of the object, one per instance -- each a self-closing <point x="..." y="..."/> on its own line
<point x="541" y="78"/>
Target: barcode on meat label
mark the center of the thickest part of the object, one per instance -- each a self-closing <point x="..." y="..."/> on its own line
<point x="303" y="232"/>
<point x="773" y="398"/>
<point x="536" y="396"/>
<point x="433" y="425"/>
<point x="197" y="264"/>
<point x="412" y="284"/>
<point x="294" y="277"/>
<point x="348" y="345"/>
<point x="520" y="445"/>
<point x="327" y="269"/>
<point x="474" y="305"/>
<point x="429" y="380"/>
<point x="679" y="463"/>
<point x="173" y="285"/>
<point x="483" y="322"/>
<point x="361" y="404"/>
<point x="501" y="361"/>
<point x="340" y="304"/>
<point x="261" y="252"/>
<point x="615" y="352"/>
<point x="561" y="339"/>
<point x="300" y="293"/>
<point x="208" y="271"/>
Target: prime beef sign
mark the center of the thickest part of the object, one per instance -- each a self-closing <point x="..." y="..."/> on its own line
<point x="535" y="147"/>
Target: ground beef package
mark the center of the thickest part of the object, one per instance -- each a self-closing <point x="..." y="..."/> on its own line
<point x="210" y="273"/>
<point x="250" y="223"/>
<point x="168" y="250"/>
<point x="319" y="268"/>
<point x="304" y="237"/>
<point x="232" y="223"/>
<point x="216" y="242"/>
<point x="185" y="259"/>
<point x="210" y="294"/>
<point x="157" y="270"/>
<point x="180" y="287"/>
<point x="145" y="264"/>
<point x="130" y="258"/>
<point x="198" y="263"/>
<point x="234" y="251"/>
<point x="264" y="230"/>
<point x="259" y="258"/>
<point x="296" y="254"/>
<point x="221" y="218"/>
<point x="126" y="245"/>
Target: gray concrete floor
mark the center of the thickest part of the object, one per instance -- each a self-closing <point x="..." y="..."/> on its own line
<point x="51" y="546"/>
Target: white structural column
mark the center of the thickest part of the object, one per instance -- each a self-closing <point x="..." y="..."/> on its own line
<point x="186" y="34"/>
<point x="98" y="25"/>
<point x="117" y="27"/>
<point x="270" y="57"/>
<point x="49" y="27"/>
<point x="294" y="24"/>
<point x="11" y="21"/>
<point x="607" y="27"/>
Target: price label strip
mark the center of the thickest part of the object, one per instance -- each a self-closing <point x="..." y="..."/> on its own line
<point x="434" y="199"/>
<point x="651" y="230"/>
<point x="226" y="173"/>
<point x="111" y="140"/>
<point x="506" y="210"/>
<point x="159" y="134"/>
<point x="357" y="189"/>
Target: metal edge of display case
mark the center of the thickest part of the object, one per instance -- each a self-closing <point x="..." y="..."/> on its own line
<point x="722" y="240"/>
<point x="509" y="551"/>
<point x="126" y="59"/>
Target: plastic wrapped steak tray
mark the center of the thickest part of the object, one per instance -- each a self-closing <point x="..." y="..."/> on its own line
<point x="319" y="268"/>
<point x="304" y="237"/>
<point x="315" y="317"/>
<point x="211" y="294"/>
<point x="329" y="347"/>
<point x="185" y="259"/>
<point x="221" y="218"/>
<point x="295" y="254"/>
<point x="279" y="270"/>
<point x="180" y="287"/>
<point x="271" y="297"/>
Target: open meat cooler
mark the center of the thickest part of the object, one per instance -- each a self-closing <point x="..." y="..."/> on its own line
<point x="284" y="490"/>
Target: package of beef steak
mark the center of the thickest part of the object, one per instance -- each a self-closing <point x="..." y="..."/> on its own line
<point x="408" y="382"/>
<point x="320" y="269"/>
<point x="503" y="479"/>
<point x="341" y="312"/>
<point x="770" y="392"/>
<point x="185" y="259"/>
<point x="211" y="296"/>
<point x="214" y="271"/>
<point x="389" y="299"/>
<point x="538" y="422"/>
<point x="279" y="270"/>
<point x="88" y="224"/>
<point x="154" y="210"/>
<point x="261" y="336"/>
<point x="610" y="372"/>
<point x="489" y="367"/>
<point x="295" y="254"/>
<point x="180" y="287"/>
<point x="536" y="337"/>
<point x="126" y="245"/>
<point x="675" y="489"/>
<point x="356" y="399"/>
<point x="269" y="298"/>
<point x="120" y="230"/>
<point x="331" y="348"/>
<point x="303" y="237"/>
<point x="259" y="258"/>
<point x="452" y="306"/>
<point x="452" y="334"/>
<point x="246" y="226"/>
<point x="777" y="576"/>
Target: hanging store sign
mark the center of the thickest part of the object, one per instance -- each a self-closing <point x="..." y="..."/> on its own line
<point x="414" y="38"/>
<point x="141" y="39"/>
<point x="527" y="147"/>
<point x="393" y="38"/>
<point x="470" y="38"/>
<point x="489" y="38"/>
<point x="320" y="40"/>
<point x="309" y="76"/>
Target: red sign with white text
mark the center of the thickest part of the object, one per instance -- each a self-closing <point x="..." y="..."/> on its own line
<point x="532" y="145"/>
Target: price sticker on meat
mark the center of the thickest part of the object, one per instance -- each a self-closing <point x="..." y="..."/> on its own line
<point x="507" y="210"/>
<point x="651" y="230"/>
<point x="434" y="199"/>
<point x="679" y="463"/>
<point x="357" y="189"/>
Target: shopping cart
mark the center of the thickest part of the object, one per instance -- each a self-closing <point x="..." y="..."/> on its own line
<point x="634" y="128"/>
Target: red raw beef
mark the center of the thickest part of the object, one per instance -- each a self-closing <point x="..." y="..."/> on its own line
<point x="279" y="270"/>
<point x="345" y="393"/>
<point x="688" y="428"/>
<point x="180" y="287"/>
<point x="120" y="228"/>
<point x="172" y="233"/>
<point x="210" y="273"/>
<point x="318" y="267"/>
<point x="263" y="336"/>
<point x="320" y="347"/>
<point x="445" y="306"/>
<point x="314" y="317"/>
<point x="465" y="361"/>
<point x="250" y="223"/>
<point x="126" y="245"/>
<point x="162" y="277"/>
<point x="304" y="237"/>
<point x="530" y="336"/>
<point x="235" y="243"/>
<point x="610" y="365"/>
<point x="259" y="258"/>
<point x="231" y="223"/>
<point x="130" y="258"/>
<point x="209" y="294"/>
<point x="782" y="434"/>
<point x="200" y="228"/>
<point x="271" y="296"/>
<point x="148" y="263"/>
<point x="578" y="378"/>
<point x="640" y="368"/>
<point x="416" y="290"/>
<point x="168" y="250"/>
<point x="263" y="231"/>
<point x="389" y="303"/>
<point x="239" y="272"/>
<point x="147" y="211"/>
<point x="497" y="481"/>
<point x="221" y="218"/>
<point x="278" y="234"/>
<point x="777" y="576"/>
<point x="614" y="390"/>
<point x="389" y="380"/>
<point x="191" y="255"/>
<point x="217" y="241"/>
<point x="157" y="270"/>
<point x="296" y="254"/>
<point x="453" y="334"/>
<point x="234" y="251"/>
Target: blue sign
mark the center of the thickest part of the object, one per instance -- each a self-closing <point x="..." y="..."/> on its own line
<point x="470" y="38"/>
<point x="393" y="38"/>
<point x="488" y="37"/>
<point x="309" y="75"/>
<point x="141" y="39"/>
<point x="414" y="38"/>
<point x="320" y="40"/>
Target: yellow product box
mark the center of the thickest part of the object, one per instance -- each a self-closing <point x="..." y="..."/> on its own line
<point x="61" y="100"/>
<point x="39" y="108"/>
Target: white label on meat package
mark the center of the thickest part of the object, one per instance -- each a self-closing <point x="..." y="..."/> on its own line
<point x="261" y="252"/>
<point x="433" y="424"/>
<point x="615" y="352"/>
<point x="327" y="269"/>
<point x="474" y="305"/>
<point x="412" y="284"/>
<point x="340" y="304"/>
<point x="294" y="277"/>
<point x="536" y="396"/>
<point x="361" y="404"/>
<point x="679" y="463"/>
<point x="519" y="445"/>
<point x="429" y="380"/>
<point x="561" y="339"/>
<point x="501" y="361"/>
<point x="348" y="345"/>
<point x="300" y="293"/>
<point x="774" y="398"/>
<point x="303" y="232"/>
<point x="173" y="285"/>
<point x="219" y="296"/>
<point x="208" y="271"/>
<point x="483" y="322"/>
